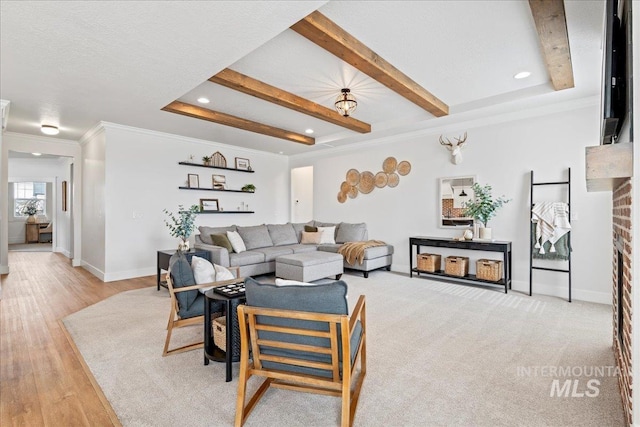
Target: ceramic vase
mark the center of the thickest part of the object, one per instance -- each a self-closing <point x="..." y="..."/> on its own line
<point x="485" y="233"/>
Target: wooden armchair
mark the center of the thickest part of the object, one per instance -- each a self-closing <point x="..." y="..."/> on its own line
<point x="187" y="303"/>
<point x="302" y="351"/>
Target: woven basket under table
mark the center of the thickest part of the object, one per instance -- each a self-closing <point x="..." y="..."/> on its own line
<point x="429" y="262"/>
<point x="219" y="326"/>
<point x="456" y="266"/>
<point x="489" y="269"/>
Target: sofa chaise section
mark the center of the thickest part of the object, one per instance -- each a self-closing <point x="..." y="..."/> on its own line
<point x="267" y="242"/>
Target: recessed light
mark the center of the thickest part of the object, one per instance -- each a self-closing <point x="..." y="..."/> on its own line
<point x="37" y="154"/>
<point x="280" y="152"/>
<point x="203" y="100"/>
<point x="49" y="130"/>
<point x="309" y="131"/>
<point x="522" y="75"/>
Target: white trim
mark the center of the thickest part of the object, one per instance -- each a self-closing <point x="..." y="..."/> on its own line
<point x="93" y="270"/>
<point x="4" y="108"/>
<point x="41" y="138"/>
<point x="108" y="125"/>
<point x="453" y="123"/>
<point x="129" y="274"/>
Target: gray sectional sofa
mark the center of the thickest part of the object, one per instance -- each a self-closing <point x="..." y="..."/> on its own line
<point x="266" y="242"/>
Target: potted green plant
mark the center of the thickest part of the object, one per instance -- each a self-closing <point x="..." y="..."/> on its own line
<point x="182" y="224"/>
<point x="30" y="208"/>
<point x="483" y="207"/>
<point x="250" y="188"/>
<point x="206" y="160"/>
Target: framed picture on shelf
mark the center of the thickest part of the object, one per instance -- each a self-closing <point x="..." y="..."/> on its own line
<point x="243" y="164"/>
<point x="193" y="180"/>
<point x="209" y="205"/>
<point x="219" y="182"/>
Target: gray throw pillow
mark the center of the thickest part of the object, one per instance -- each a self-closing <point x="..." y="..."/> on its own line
<point x="282" y="234"/>
<point x="351" y="232"/>
<point x="182" y="275"/>
<point x="255" y="237"/>
<point x="222" y="240"/>
<point x="206" y="232"/>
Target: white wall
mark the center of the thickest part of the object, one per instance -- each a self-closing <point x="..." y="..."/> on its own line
<point x="502" y="155"/>
<point x="141" y="178"/>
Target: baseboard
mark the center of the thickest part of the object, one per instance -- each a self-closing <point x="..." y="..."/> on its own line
<point x="563" y="292"/>
<point x="93" y="270"/>
<point x="543" y="289"/>
<point x="129" y="274"/>
<point x="4" y="269"/>
<point x="63" y="251"/>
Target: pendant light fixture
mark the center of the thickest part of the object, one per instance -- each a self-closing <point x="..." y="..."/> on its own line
<point x="346" y="103"/>
<point x="463" y="194"/>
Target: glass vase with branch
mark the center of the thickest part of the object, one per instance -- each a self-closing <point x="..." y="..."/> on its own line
<point x="182" y="224"/>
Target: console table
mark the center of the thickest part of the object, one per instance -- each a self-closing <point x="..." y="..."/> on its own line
<point x="474" y="245"/>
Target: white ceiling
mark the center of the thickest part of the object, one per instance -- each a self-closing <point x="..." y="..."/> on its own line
<point x="73" y="64"/>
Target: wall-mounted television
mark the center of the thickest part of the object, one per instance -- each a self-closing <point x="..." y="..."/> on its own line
<point x="617" y="106"/>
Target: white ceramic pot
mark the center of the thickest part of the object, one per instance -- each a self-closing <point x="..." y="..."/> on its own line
<point x="485" y="233"/>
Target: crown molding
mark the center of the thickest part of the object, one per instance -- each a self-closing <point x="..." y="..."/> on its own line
<point x="108" y="125"/>
<point x="472" y="119"/>
<point x="40" y="138"/>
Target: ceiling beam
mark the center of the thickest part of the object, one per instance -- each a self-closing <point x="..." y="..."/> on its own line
<point x="551" y="24"/>
<point x="250" y="86"/>
<point x="325" y="33"/>
<point x="236" y="122"/>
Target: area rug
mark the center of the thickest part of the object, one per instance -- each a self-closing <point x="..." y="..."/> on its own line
<point x="439" y="354"/>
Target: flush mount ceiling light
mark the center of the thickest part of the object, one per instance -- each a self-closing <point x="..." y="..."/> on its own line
<point x="308" y="131"/>
<point x="37" y="154"/>
<point x="203" y="100"/>
<point x="49" y="129"/>
<point x="522" y="75"/>
<point x="346" y="103"/>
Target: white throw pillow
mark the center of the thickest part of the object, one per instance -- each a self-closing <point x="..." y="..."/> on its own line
<point x="283" y="282"/>
<point x="328" y="234"/>
<point x="223" y="273"/>
<point x="236" y="242"/>
<point x="203" y="272"/>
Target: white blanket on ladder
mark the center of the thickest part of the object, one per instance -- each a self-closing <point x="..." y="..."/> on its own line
<point x="552" y="222"/>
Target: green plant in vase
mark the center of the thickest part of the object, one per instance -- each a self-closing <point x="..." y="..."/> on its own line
<point x="206" y="160"/>
<point x="483" y="207"/>
<point x="30" y="208"/>
<point x="182" y="224"/>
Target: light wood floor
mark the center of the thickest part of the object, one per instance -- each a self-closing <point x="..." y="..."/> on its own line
<point x="42" y="381"/>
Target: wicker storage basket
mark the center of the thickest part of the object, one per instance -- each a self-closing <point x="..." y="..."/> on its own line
<point x="429" y="262"/>
<point x="219" y="326"/>
<point x="489" y="269"/>
<point x="456" y="266"/>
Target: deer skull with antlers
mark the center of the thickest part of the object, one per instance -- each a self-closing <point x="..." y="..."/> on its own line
<point x="456" y="150"/>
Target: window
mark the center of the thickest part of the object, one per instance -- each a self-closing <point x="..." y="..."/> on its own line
<point x="25" y="191"/>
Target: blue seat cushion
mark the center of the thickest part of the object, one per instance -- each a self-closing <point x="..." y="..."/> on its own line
<point x="197" y="307"/>
<point x="327" y="298"/>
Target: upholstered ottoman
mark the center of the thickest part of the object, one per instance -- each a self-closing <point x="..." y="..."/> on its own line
<point x="309" y="266"/>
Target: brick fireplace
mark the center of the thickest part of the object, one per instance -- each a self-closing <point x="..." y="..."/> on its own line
<point x="622" y="303"/>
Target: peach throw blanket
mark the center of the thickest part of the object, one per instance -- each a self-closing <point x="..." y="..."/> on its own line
<point x="354" y="251"/>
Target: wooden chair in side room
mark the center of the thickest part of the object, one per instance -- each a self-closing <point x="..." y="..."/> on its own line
<point x="187" y="303"/>
<point x="301" y="350"/>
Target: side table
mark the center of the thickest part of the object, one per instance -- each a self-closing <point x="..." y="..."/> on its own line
<point x="211" y="351"/>
<point x="165" y="255"/>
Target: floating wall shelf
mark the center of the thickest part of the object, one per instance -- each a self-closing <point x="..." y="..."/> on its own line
<point x="214" y="167"/>
<point x="215" y="189"/>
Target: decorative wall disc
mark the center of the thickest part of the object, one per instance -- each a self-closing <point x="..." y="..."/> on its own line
<point x="353" y="192"/>
<point x="342" y="197"/>
<point x="394" y="180"/>
<point x="389" y="164"/>
<point x="404" y="167"/>
<point x="366" y="184"/>
<point x="345" y="187"/>
<point x="381" y="179"/>
<point x="218" y="160"/>
<point x="353" y="177"/>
